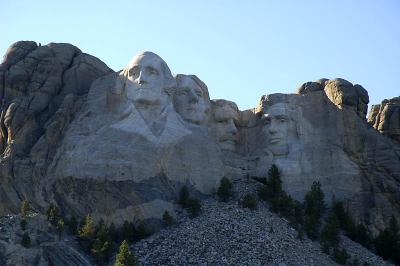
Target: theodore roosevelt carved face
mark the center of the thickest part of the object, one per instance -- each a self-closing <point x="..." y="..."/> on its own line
<point x="191" y="99"/>
<point x="225" y="117"/>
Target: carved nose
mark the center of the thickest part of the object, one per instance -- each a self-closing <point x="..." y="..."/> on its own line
<point x="272" y="128"/>
<point x="193" y="97"/>
<point x="232" y="128"/>
<point x="142" y="78"/>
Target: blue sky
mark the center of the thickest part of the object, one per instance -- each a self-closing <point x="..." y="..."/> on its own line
<point x="240" y="49"/>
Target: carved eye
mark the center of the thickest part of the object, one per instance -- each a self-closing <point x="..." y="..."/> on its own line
<point x="152" y="71"/>
<point x="134" y="72"/>
<point x="198" y="93"/>
<point x="282" y="120"/>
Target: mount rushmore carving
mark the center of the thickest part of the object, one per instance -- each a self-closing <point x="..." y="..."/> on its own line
<point x="120" y="145"/>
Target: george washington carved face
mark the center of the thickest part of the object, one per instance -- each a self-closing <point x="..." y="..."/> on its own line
<point x="148" y="80"/>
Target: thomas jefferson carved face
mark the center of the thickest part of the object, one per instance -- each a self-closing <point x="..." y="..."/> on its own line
<point x="191" y="99"/>
<point x="225" y="115"/>
<point x="279" y="128"/>
<point x="147" y="79"/>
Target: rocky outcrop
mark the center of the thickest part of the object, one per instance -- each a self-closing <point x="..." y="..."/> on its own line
<point x="41" y="88"/>
<point x="385" y="118"/>
<point x="121" y="145"/>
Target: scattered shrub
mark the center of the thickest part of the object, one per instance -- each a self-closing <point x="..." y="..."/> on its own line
<point x="183" y="196"/>
<point x="26" y="240"/>
<point x="168" y="219"/>
<point x="249" y="201"/>
<point x="23" y="223"/>
<point x="193" y="207"/>
<point x="225" y="190"/>
<point x="25" y="208"/>
<point x="125" y="257"/>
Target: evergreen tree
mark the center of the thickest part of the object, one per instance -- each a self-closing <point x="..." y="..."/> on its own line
<point x="168" y="219"/>
<point x="128" y="231"/>
<point x="23" y="224"/>
<point x="225" y="189"/>
<point x="60" y="227"/>
<point x="125" y="257"/>
<point x="73" y="225"/>
<point x="113" y="233"/>
<point x="314" y="207"/>
<point x="100" y="251"/>
<point x="340" y="255"/>
<point x="86" y="233"/>
<point x="53" y="214"/>
<point x="193" y="207"/>
<point x="26" y="240"/>
<point x="183" y="196"/>
<point x="249" y="201"/>
<point x="330" y="233"/>
<point x="274" y="182"/>
<point x="387" y="243"/>
<point x="25" y="208"/>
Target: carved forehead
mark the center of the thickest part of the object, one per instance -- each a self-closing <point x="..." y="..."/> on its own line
<point x="223" y="110"/>
<point x="194" y="82"/>
<point x="146" y="59"/>
<point x="279" y="109"/>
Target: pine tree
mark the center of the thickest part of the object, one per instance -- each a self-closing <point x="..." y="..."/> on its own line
<point x="314" y="207"/>
<point x="26" y="240"/>
<point x="183" y="196"/>
<point x="53" y="214"/>
<point x="25" y="208"/>
<point x="193" y="207"/>
<point x="125" y="257"/>
<point x="225" y="189"/>
<point x="249" y="201"/>
<point x="387" y="243"/>
<point x="330" y="233"/>
<point x="23" y="224"/>
<point x="274" y="182"/>
<point x="86" y="233"/>
<point x="60" y="227"/>
<point x="73" y="225"/>
<point x="168" y="219"/>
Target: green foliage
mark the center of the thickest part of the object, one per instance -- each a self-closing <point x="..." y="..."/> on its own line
<point x="193" y="206"/>
<point x="128" y="231"/>
<point x="387" y="243"/>
<point x="125" y="257"/>
<point x="100" y="251"/>
<point x="314" y="206"/>
<point x="141" y="232"/>
<point x="249" y="201"/>
<point x="60" y="227"/>
<point x="25" y="208"/>
<point x="340" y="255"/>
<point x="86" y="233"/>
<point x="358" y="232"/>
<point x="53" y="214"/>
<point x="273" y="186"/>
<point x="330" y="233"/>
<point x="168" y="219"/>
<point x="183" y="196"/>
<point x="26" y="240"/>
<point x="225" y="190"/>
<point x="300" y="233"/>
<point x="23" y="224"/>
<point x="73" y="225"/>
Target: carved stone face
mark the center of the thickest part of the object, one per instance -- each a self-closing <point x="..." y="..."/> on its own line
<point x="190" y="101"/>
<point x="145" y="80"/>
<point x="278" y="128"/>
<point x="225" y="116"/>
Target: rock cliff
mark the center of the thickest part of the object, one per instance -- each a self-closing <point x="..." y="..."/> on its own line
<point x="120" y="145"/>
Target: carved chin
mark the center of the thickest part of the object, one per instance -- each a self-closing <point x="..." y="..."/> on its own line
<point x="148" y="98"/>
<point x="279" y="149"/>
<point x="228" y="145"/>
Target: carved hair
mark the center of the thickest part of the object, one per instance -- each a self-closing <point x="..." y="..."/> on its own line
<point x="169" y="81"/>
<point x="180" y="77"/>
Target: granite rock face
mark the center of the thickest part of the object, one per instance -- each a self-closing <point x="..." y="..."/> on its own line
<point x="41" y="88"/>
<point x="385" y="118"/>
<point x="120" y="145"/>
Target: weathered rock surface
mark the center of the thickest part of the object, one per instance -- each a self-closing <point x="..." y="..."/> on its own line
<point x="227" y="234"/>
<point x="47" y="248"/>
<point x="41" y="88"/>
<point x="120" y="145"/>
<point x="385" y="118"/>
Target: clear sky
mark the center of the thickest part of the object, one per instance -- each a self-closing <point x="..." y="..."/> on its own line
<point x="240" y="49"/>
